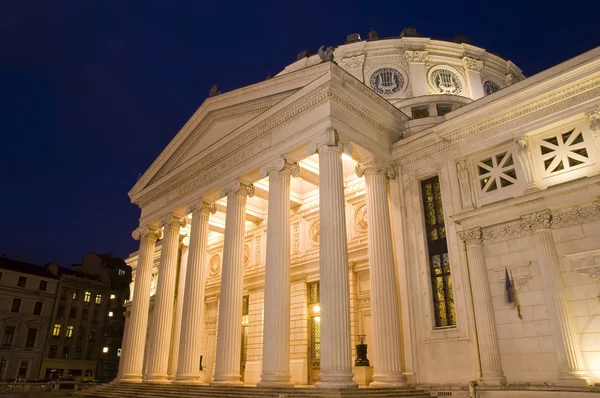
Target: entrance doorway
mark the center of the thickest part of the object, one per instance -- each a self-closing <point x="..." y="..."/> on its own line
<point x="314" y="330"/>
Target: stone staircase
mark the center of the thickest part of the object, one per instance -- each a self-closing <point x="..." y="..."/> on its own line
<point x="178" y="391"/>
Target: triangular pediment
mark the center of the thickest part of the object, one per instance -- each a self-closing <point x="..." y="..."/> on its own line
<point x="219" y="116"/>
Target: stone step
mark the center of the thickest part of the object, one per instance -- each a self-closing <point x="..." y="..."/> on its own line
<point x="178" y="391"/>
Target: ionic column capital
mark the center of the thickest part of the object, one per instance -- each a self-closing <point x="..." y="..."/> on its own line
<point x="328" y="140"/>
<point x="280" y="165"/>
<point x="172" y="220"/>
<point x="375" y="166"/>
<point x="201" y="206"/>
<point x="538" y="221"/>
<point x="237" y="187"/>
<point x="473" y="236"/>
<point x="147" y="231"/>
<point x="416" y="56"/>
<point x="472" y="64"/>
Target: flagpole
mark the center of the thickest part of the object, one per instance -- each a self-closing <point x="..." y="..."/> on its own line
<point x="514" y="293"/>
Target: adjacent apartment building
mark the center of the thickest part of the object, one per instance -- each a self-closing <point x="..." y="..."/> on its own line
<point x="87" y="319"/>
<point x="27" y="293"/>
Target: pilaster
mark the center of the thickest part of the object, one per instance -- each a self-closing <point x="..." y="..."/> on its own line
<point x="571" y="368"/>
<point x="473" y="71"/>
<point x="526" y="162"/>
<point x="416" y="70"/>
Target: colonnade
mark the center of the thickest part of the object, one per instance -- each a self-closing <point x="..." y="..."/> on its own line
<point x="336" y="361"/>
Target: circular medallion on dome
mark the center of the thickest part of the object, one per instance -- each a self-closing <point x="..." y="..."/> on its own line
<point x="387" y="81"/>
<point x="444" y="81"/>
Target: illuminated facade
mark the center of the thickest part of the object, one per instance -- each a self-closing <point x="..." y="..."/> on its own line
<point x="386" y="194"/>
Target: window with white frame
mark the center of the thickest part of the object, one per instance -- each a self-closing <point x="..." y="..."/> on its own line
<point x="496" y="175"/>
<point x="564" y="153"/>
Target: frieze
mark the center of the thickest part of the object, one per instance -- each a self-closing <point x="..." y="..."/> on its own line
<point x="546" y="219"/>
<point x="416" y="56"/>
<point x="356" y="61"/>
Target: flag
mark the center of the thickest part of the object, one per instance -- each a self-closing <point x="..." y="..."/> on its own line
<point x="510" y="296"/>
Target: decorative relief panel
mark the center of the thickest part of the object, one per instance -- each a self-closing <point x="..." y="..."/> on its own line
<point x="313" y="232"/>
<point x="586" y="263"/>
<point x="360" y="218"/>
<point x="214" y="265"/>
<point x="445" y="80"/>
<point x="246" y="254"/>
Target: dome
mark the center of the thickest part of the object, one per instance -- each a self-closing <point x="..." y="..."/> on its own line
<point x="416" y="74"/>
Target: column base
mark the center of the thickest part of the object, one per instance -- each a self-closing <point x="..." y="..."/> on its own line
<point x="134" y="379"/>
<point x="187" y="379"/>
<point x="574" y="378"/>
<point x="336" y="380"/>
<point x="382" y="380"/>
<point x="156" y="379"/>
<point x="227" y="380"/>
<point x="275" y="380"/>
<point x="492" y="380"/>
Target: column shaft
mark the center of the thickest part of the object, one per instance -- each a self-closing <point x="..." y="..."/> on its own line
<point x="229" y="332"/>
<point x="132" y="356"/>
<point x="276" y="329"/>
<point x="336" y="360"/>
<point x="487" y="336"/>
<point x="160" y="331"/>
<point x="387" y="364"/>
<point x="180" y="294"/>
<point x="188" y="365"/>
<point x="571" y="368"/>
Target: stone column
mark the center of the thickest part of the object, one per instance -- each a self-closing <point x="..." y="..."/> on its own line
<point x="276" y="330"/>
<point x="336" y="359"/>
<point x="179" y="295"/>
<point x="229" y="331"/>
<point x="188" y="364"/>
<point x="473" y="71"/>
<point x="487" y="336"/>
<point x="387" y="364"/>
<point x="571" y="368"/>
<point x="416" y="70"/>
<point x="159" y="341"/>
<point x="132" y="355"/>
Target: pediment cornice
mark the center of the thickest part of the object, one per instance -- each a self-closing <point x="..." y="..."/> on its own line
<point x="381" y="117"/>
<point x="255" y="97"/>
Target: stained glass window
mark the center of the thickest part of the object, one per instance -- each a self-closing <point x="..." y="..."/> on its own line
<point x="313" y="293"/>
<point x="437" y="247"/>
<point x="315" y="338"/>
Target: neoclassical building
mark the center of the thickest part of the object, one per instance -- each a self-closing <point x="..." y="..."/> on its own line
<point x="383" y="189"/>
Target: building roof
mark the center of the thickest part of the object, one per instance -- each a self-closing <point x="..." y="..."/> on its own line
<point x="25" y="268"/>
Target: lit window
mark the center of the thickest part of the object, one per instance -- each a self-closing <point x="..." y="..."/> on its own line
<point x="56" y="330"/>
<point x="105" y="349"/>
<point x="75" y="294"/>
<point x="98" y="299"/>
<point x="121" y="272"/>
<point x="112" y="296"/>
<point x="490" y="87"/>
<point x="437" y="248"/>
<point x="496" y="172"/>
<point x="87" y="297"/>
<point x="119" y="352"/>
<point x="110" y="314"/>
<point x="69" y="332"/>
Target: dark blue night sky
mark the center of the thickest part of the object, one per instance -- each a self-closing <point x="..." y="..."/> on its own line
<point x="92" y="91"/>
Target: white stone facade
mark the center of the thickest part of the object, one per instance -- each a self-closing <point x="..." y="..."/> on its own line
<point x="348" y="150"/>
